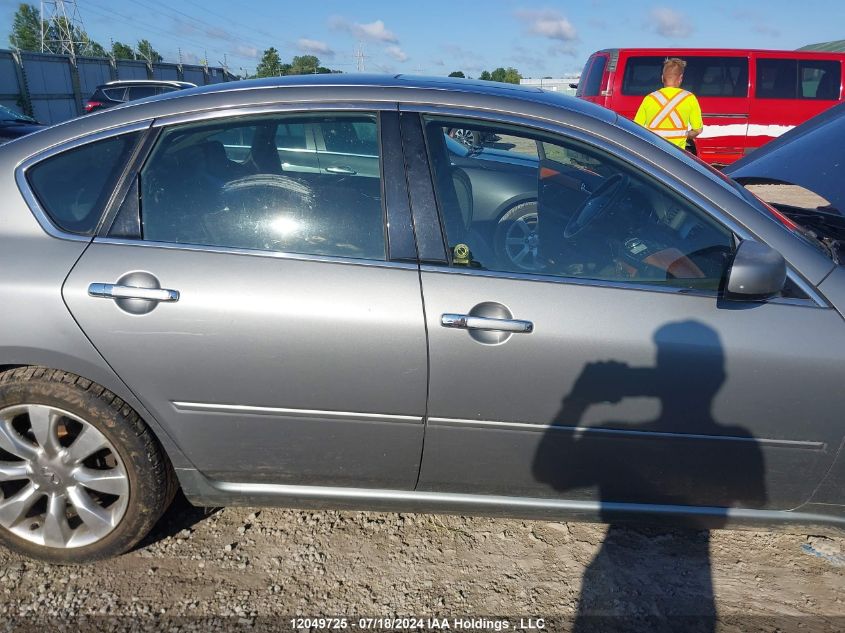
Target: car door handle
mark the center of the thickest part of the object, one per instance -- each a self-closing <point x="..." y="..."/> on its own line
<point x="341" y="170"/>
<point x="468" y="322"/>
<point x="115" y="291"/>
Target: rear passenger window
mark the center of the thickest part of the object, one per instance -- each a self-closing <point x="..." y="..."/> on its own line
<point x="140" y="92"/>
<point x="243" y="183"/>
<point x="703" y="76"/>
<point x="73" y="187"/>
<point x="798" y="79"/>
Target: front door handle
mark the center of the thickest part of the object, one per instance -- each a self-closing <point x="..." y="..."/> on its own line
<point x="469" y="322"/>
<point x="116" y="291"/>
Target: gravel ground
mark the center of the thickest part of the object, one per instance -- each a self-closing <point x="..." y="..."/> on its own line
<point x="252" y="569"/>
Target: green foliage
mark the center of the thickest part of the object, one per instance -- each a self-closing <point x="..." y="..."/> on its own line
<point x="509" y="75"/>
<point x="146" y="51"/>
<point x="457" y="73"/>
<point x="270" y="64"/>
<point x="119" y="50"/>
<point x="26" y="28"/>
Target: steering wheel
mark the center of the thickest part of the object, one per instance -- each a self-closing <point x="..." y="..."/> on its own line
<point x="602" y="199"/>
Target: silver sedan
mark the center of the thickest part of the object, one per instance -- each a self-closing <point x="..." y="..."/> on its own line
<point x="291" y="292"/>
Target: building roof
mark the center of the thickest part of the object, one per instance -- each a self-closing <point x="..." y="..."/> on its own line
<point x="836" y="46"/>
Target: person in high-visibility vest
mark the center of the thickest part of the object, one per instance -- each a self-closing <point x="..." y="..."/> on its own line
<point x="672" y="112"/>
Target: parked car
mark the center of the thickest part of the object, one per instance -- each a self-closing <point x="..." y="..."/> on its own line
<point x="14" y="125"/>
<point x="748" y="97"/>
<point x="186" y="304"/>
<point x="114" y="93"/>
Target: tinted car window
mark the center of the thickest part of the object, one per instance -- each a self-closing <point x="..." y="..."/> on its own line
<point x="201" y="185"/>
<point x="703" y="76"/>
<point x="348" y="136"/>
<point x="116" y="94"/>
<point x="592" y="83"/>
<point x="73" y="186"/>
<point x="570" y="211"/>
<point x="819" y="79"/>
<point x="139" y="92"/>
<point x="777" y="78"/>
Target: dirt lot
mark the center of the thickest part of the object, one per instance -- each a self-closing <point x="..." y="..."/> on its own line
<point x="253" y="569"/>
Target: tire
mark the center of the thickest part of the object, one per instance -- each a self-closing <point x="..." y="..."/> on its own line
<point x="517" y="238"/>
<point x="98" y="491"/>
<point x="467" y="138"/>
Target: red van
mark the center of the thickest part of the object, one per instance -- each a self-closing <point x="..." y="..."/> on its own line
<point x="747" y="97"/>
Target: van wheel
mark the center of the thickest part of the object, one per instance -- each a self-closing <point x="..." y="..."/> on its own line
<point x="81" y="476"/>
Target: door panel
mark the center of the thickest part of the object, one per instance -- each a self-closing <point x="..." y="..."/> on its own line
<point x="269" y="369"/>
<point x="630" y="396"/>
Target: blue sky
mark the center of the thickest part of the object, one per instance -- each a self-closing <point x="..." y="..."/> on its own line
<point x="438" y="36"/>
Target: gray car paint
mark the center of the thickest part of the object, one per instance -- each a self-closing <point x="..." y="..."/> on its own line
<point x="765" y="346"/>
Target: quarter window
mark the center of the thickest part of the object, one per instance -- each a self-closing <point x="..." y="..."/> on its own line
<point x="74" y="186"/>
<point x="529" y="203"/>
<point x="252" y="183"/>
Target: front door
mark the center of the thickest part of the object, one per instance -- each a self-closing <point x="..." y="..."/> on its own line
<point x="613" y="371"/>
<point x="256" y="312"/>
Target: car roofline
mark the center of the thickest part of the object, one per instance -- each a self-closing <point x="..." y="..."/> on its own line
<point x="153" y="82"/>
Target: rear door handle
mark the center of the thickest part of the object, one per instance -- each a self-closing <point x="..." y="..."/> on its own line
<point x="115" y="291"/>
<point x="341" y="170"/>
<point x="468" y="322"/>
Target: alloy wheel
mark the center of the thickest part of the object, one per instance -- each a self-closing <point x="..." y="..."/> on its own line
<point x="63" y="484"/>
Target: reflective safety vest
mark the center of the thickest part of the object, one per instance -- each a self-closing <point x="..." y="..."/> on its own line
<point x="668" y="122"/>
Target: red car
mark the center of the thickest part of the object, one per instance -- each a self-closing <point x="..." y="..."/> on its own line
<point x="748" y="97"/>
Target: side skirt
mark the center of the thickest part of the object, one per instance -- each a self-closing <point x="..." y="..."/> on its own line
<point x="202" y="491"/>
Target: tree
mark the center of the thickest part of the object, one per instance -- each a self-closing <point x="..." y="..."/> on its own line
<point x="512" y="75"/>
<point x="26" y="28"/>
<point x="119" y="50"/>
<point x="457" y="73"/>
<point x="270" y="64"/>
<point x="304" y="65"/>
<point x="498" y="74"/>
<point x="146" y="50"/>
<point x="485" y="75"/>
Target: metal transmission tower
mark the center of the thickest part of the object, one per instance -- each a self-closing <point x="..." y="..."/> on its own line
<point x="360" y="57"/>
<point x="61" y="28"/>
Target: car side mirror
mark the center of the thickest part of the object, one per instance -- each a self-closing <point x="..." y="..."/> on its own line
<point x="758" y="272"/>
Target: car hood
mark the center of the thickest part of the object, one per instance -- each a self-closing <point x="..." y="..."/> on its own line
<point x="811" y="156"/>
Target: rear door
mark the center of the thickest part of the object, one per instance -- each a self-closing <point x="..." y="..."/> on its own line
<point x="259" y="313"/>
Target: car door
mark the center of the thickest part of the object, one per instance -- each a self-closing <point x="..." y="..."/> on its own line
<point x="614" y="371"/>
<point x="259" y="315"/>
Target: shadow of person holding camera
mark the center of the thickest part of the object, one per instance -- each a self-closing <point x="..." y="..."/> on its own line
<point x="684" y="457"/>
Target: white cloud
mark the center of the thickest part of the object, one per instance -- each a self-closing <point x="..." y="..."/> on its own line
<point x="314" y="47"/>
<point x="246" y="51"/>
<point x="396" y="53"/>
<point x="548" y="23"/>
<point x="438" y="62"/>
<point x="670" y="23"/>
<point x="373" y="31"/>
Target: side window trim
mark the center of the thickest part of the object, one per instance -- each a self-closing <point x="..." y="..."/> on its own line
<point x="29" y="195"/>
<point x="128" y="181"/>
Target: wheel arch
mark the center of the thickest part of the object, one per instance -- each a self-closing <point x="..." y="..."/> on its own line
<point x="103" y="375"/>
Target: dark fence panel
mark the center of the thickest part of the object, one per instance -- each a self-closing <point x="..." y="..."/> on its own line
<point x="53" y="88"/>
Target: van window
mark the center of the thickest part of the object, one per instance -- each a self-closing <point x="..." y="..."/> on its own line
<point x="590" y="86"/>
<point x="798" y="79"/>
<point x="703" y="76"/>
